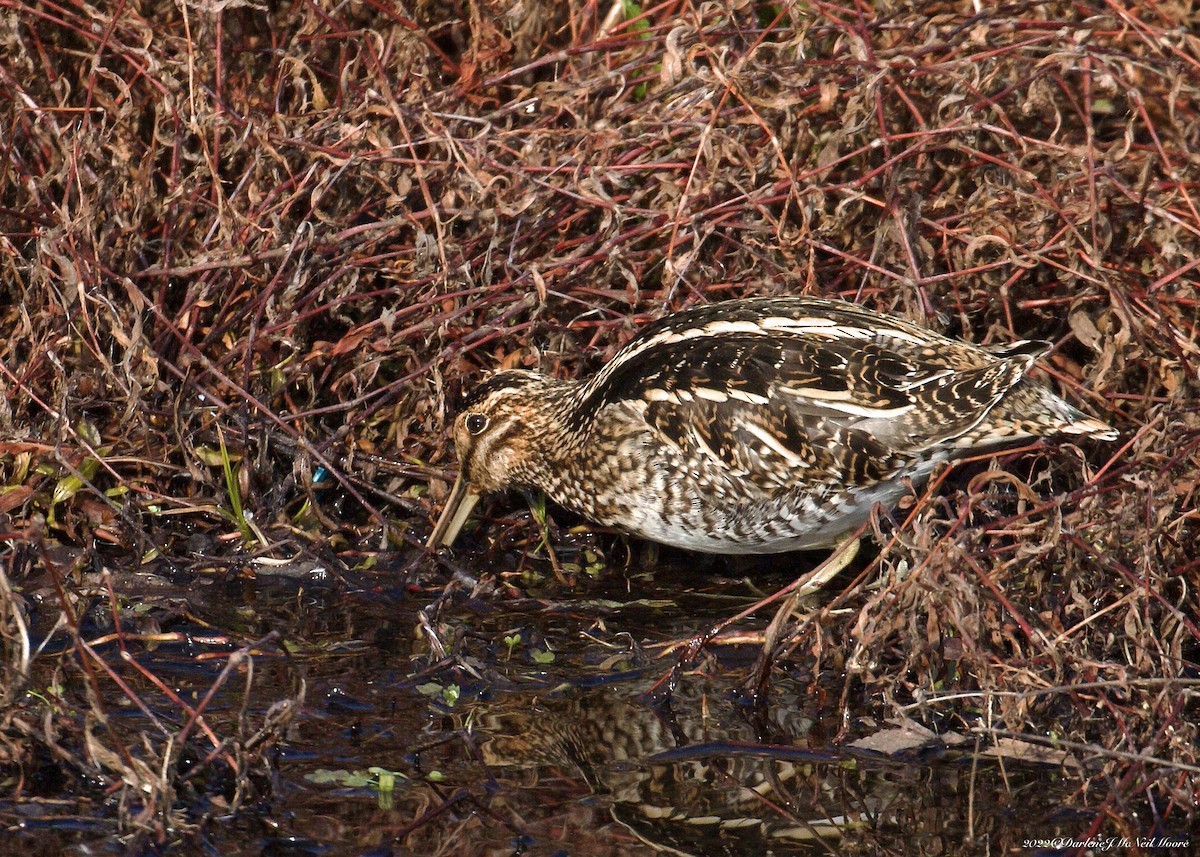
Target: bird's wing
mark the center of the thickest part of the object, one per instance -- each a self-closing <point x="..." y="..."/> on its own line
<point x="850" y="403"/>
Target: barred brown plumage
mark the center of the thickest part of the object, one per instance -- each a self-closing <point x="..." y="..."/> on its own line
<point x="752" y="426"/>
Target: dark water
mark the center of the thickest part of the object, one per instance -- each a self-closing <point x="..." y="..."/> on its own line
<point x="489" y="720"/>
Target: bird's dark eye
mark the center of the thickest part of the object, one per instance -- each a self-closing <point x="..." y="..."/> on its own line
<point x="476" y="423"/>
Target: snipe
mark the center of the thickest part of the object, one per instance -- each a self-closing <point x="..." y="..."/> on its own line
<point x="752" y="426"/>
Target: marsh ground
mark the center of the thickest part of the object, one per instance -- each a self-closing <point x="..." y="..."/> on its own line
<point x="250" y="255"/>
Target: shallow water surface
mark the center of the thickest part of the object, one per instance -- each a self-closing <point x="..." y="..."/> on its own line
<point x="441" y="720"/>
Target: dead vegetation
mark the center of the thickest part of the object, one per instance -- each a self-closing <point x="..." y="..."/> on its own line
<point x="250" y="251"/>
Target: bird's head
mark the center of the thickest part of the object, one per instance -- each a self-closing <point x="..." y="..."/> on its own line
<point x="501" y="436"/>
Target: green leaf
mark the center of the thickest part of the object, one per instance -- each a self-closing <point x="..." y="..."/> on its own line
<point x="232" y="490"/>
<point x="324" y="776"/>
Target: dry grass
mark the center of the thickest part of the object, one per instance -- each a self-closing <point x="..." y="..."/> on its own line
<point x="298" y="230"/>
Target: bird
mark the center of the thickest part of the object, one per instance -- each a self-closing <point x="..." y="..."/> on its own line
<point x="753" y="426"/>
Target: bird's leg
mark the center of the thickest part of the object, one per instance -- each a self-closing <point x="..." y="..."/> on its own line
<point x="841" y="557"/>
<point x="804" y="585"/>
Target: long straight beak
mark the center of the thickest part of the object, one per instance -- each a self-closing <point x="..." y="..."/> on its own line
<point x="458" y="507"/>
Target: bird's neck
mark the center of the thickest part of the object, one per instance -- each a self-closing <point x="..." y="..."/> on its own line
<point x="555" y="417"/>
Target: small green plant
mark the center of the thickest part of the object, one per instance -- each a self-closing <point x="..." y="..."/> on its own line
<point x="380" y="780"/>
<point x="71" y="484"/>
<point x="237" y="514"/>
<point x="50" y="696"/>
<point x="512" y="641"/>
<point x="537" y="507"/>
<point x="449" y="693"/>
<point x="631" y="10"/>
